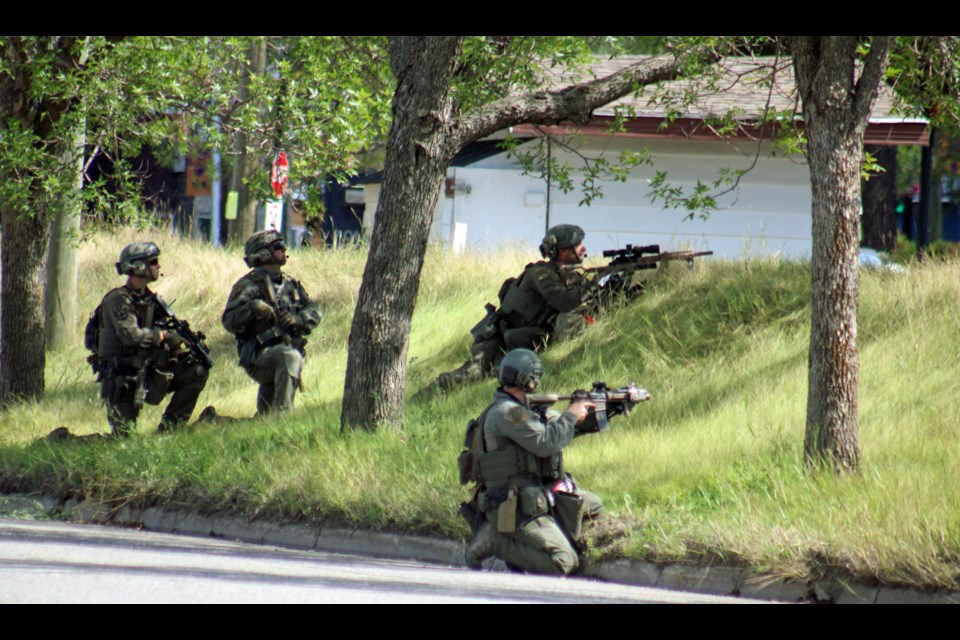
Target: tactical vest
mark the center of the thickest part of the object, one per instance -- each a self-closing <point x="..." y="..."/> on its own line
<point x="511" y="465"/>
<point x="523" y="307"/>
<point x="259" y="334"/>
<point x="109" y="345"/>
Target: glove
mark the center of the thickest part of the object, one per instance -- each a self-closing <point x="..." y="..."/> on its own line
<point x="262" y="310"/>
<point x="173" y="342"/>
<point x="288" y="320"/>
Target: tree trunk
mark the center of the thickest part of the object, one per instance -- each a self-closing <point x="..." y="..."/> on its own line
<point x="416" y="163"/>
<point x="246" y="165"/>
<point x="836" y="105"/>
<point x="832" y="429"/>
<point x="22" y="357"/>
<point x="880" y="200"/>
<point x="62" y="267"/>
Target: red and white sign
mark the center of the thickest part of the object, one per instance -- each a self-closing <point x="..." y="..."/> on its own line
<point x="279" y="174"/>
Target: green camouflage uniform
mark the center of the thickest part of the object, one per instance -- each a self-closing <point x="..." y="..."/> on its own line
<point x="522" y="456"/>
<point x="124" y="343"/>
<point x="271" y="355"/>
<point x="544" y="301"/>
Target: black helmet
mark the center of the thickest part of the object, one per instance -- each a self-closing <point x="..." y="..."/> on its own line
<point x="258" y="247"/>
<point x="520" y="368"/>
<point x="562" y="236"/>
<point x="134" y="258"/>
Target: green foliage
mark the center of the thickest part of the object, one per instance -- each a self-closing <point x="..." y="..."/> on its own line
<point x="538" y="160"/>
<point x="904" y="249"/>
<point x="323" y="100"/>
<point x="492" y="67"/>
<point x="632" y="45"/>
<point x="924" y="72"/>
<point x="943" y="250"/>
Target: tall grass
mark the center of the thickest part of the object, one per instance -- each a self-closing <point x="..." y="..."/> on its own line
<point x="711" y="468"/>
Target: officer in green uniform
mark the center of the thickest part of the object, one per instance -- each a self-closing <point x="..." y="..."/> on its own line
<point x="137" y="361"/>
<point x="531" y="508"/>
<point x="270" y="314"/>
<point x="544" y="301"/>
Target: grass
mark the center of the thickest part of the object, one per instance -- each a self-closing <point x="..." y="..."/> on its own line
<point x="710" y="469"/>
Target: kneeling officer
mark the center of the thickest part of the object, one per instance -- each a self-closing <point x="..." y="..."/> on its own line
<point x="271" y="316"/>
<point x="138" y="361"/>
<point x="529" y="507"/>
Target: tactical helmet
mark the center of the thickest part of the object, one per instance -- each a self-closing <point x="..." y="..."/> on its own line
<point x="257" y="249"/>
<point x="520" y="368"/>
<point x="562" y="236"/>
<point x="134" y="258"/>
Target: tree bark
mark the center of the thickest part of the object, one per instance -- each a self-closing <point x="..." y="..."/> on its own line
<point x="424" y="137"/>
<point x="416" y="163"/>
<point x="880" y="200"/>
<point x="246" y="165"/>
<point x="836" y="105"/>
<point x="62" y="268"/>
<point x="22" y="357"/>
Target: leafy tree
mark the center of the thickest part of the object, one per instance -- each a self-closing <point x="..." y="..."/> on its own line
<point x="837" y="77"/>
<point x="175" y="94"/>
<point x="38" y="95"/>
<point x="451" y="91"/>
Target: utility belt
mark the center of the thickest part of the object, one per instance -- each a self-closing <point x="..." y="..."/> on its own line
<point x="249" y="346"/>
<point x="119" y="377"/>
<point x="127" y="363"/>
<point x="512" y="508"/>
<point x="519" y="487"/>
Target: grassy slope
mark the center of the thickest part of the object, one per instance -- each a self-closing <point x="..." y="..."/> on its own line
<point x="711" y="468"/>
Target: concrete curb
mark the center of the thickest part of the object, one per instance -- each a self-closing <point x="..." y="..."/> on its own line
<point x="712" y="579"/>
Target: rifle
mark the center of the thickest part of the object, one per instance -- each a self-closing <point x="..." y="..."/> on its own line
<point x="140" y="393"/>
<point x="617" y="274"/>
<point x="295" y="332"/>
<point x="194" y="340"/>
<point x="268" y="292"/>
<point x="609" y="402"/>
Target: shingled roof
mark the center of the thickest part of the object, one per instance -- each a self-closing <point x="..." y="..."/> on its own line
<point x="744" y="89"/>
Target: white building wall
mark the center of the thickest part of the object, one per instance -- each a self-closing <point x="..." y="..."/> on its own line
<point x="768" y="214"/>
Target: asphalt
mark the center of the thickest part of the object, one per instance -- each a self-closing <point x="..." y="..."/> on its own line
<point x="712" y="579"/>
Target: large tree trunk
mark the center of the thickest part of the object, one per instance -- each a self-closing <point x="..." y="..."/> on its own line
<point x="836" y="105"/>
<point x="22" y="357"/>
<point x="62" y="268"/>
<point x="880" y="200"/>
<point x="416" y="163"/>
<point x="835" y="158"/>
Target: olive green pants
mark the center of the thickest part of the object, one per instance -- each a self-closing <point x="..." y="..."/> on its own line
<point x="540" y="545"/>
<point x="187" y="383"/>
<point x="277" y="369"/>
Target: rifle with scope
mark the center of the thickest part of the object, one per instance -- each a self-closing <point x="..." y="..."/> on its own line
<point x="616" y="276"/>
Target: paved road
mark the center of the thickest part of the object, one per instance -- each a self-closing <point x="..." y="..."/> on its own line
<point x="55" y="562"/>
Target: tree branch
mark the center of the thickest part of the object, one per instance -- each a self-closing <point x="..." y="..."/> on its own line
<point x="873" y="69"/>
<point x="575" y="103"/>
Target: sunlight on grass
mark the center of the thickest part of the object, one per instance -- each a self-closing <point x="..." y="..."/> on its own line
<point x="711" y="467"/>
